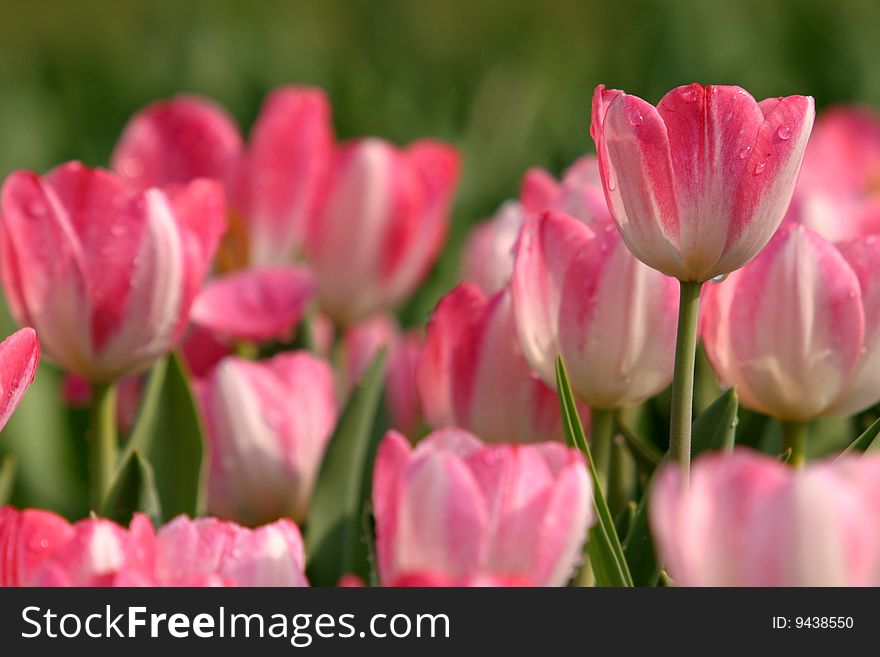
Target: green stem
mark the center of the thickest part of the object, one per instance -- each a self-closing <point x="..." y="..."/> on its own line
<point x="794" y="437"/>
<point x="601" y="435"/>
<point x="621" y="477"/>
<point x="681" y="416"/>
<point x="103" y="442"/>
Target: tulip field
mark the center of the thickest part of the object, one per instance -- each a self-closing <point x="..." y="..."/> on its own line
<point x="264" y="347"/>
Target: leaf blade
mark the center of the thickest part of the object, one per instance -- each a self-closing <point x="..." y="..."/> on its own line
<point x="715" y="428"/>
<point x="133" y="490"/>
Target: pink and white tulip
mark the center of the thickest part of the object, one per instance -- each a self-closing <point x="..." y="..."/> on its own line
<point x="487" y="260"/>
<point x="268" y="424"/>
<point x="272" y="185"/>
<point x="750" y="520"/>
<point x="472" y="373"/>
<point x="106" y="276"/>
<point x="257" y="304"/>
<point x="40" y="548"/>
<point x="19" y="357"/>
<point x="577" y="291"/>
<point x="797" y="331"/>
<point x="381" y="225"/>
<point x="463" y="511"/>
<point x="699" y="183"/>
<point x="838" y="191"/>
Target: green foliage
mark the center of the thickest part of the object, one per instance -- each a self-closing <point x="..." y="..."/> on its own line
<point x="133" y="490"/>
<point x="715" y="428"/>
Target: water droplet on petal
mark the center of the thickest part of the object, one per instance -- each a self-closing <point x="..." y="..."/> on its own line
<point x="759" y="168"/>
<point x="744" y="153"/>
<point x="612" y="181"/>
<point x="688" y="94"/>
<point x="783" y="132"/>
<point x="719" y="278"/>
<point x="635" y="117"/>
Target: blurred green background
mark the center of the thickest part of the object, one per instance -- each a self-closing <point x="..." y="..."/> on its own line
<point x="508" y="82"/>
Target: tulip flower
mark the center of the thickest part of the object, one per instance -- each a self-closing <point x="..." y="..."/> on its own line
<point x="797" y="331"/>
<point x="104" y="275"/>
<point x="472" y="373"/>
<point x="19" y="357"/>
<point x="272" y="185"/>
<point x="254" y="305"/>
<point x="40" y="548"/>
<point x="748" y="520"/>
<point x="579" y="293"/>
<point x="463" y="511"/>
<point x="381" y="225"/>
<point x="487" y="260"/>
<point x="268" y="424"/>
<point x="838" y="191"/>
<point x="697" y="186"/>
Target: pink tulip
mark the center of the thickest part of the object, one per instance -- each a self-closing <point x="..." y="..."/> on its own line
<point x="268" y="424"/>
<point x="202" y="349"/>
<point x="699" y="184"/>
<point x="797" y="331"/>
<point x="578" y="292"/>
<point x="272" y="186"/>
<point x="381" y="225"/>
<point x="255" y="305"/>
<point x="750" y="520"/>
<point x="472" y="372"/>
<point x="838" y="192"/>
<point x="19" y="357"/>
<point x="40" y="548"/>
<point x="487" y="261"/>
<point x="360" y="344"/>
<point x="463" y="511"/>
<point x="105" y="276"/>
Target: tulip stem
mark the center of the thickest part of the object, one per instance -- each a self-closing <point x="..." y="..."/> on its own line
<point x="601" y="435"/>
<point x="681" y="415"/>
<point x="103" y="442"/>
<point x="794" y="438"/>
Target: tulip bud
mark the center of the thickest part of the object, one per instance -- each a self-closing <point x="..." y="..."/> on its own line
<point x="797" y="331"/>
<point x="381" y="225"/>
<point x="19" y="357"/>
<point x="472" y="374"/>
<point x="578" y="292"/>
<point x="268" y="424"/>
<point x="750" y="520"/>
<point x="699" y="184"/>
<point x="464" y="511"/>
<point x="105" y="276"/>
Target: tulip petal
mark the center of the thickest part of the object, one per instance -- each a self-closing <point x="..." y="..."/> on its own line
<point x="19" y="356"/>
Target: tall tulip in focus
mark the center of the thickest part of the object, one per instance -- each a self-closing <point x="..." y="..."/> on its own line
<point x="472" y="373"/>
<point x="797" y="330"/>
<point x="381" y="224"/>
<point x="268" y="424"/>
<point x="697" y="186"/>
<point x="453" y="510"/>
<point x="577" y="291"/>
<point x="748" y="520"/>
<point x="106" y="276"/>
<point x="19" y="357"/>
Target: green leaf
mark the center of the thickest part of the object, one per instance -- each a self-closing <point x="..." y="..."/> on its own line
<point x="869" y="441"/>
<point x="604" y="549"/>
<point x="133" y="490"/>
<point x="334" y="537"/>
<point x="169" y="435"/>
<point x="715" y="427"/>
<point x="639" y="549"/>
<point x="645" y="453"/>
<point x="7" y="478"/>
<point x="144" y="427"/>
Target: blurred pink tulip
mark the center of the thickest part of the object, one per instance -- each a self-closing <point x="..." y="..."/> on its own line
<point x="257" y="304"/>
<point x="272" y="186"/>
<point x="699" y="184"/>
<point x="838" y="192"/>
<point x="381" y="224"/>
<point x="19" y="357"/>
<point x="268" y="423"/>
<point x="489" y="252"/>
<point x="360" y="344"/>
<point x="797" y="331"/>
<point x="464" y="511"/>
<point x="750" y="520"/>
<point x="105" y="276"/>
<point x="577" y="291"/>
<point x="40" y="548"/>
<point x="472" y="373"/>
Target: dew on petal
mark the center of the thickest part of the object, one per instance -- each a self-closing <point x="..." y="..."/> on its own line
<point x="783" y="132"/>
<point x="744" y="153"/>
<point x="759" y="168"/>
